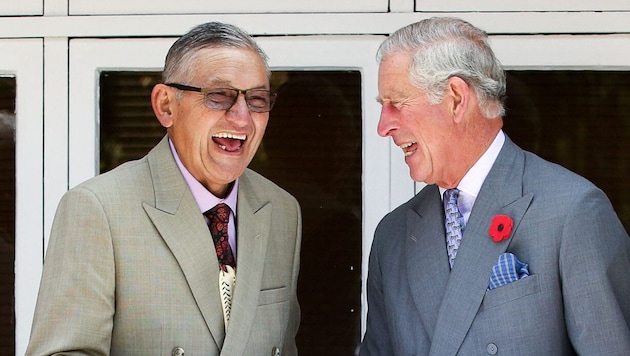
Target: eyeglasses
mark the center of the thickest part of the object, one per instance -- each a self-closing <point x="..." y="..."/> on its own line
<point x="257" y="100"/>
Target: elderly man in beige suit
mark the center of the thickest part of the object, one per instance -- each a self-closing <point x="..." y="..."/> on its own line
<point x="132" y="268"/>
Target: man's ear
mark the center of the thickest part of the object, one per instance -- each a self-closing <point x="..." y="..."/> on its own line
<point x="162" y="99"/>
<point x="459" y="93"/>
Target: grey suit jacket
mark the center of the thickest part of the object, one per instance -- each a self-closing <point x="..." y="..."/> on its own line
<point x="131" y="268"/>
<point x="576" y="300"/>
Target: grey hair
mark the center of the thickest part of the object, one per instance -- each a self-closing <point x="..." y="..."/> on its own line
<point x="445" y="47"/>
<point x="179" y="66"/>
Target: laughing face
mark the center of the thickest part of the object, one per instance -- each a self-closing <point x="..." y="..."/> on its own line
<point x="419" y="128"/>
<point x="215" y="145"/>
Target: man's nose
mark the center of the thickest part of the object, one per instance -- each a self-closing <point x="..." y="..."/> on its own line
<point x="239" y="110"/>
<point x="386" y="122"/>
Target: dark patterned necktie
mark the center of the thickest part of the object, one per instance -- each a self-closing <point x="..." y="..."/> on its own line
<point x="454" y="223"/>
<point x="219" y="218"/>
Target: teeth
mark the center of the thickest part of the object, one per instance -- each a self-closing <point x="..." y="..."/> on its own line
<point x="404" y="147"/>
<point x="229" y="135"/>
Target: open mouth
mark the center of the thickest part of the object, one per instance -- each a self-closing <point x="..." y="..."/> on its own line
<point x="229" y="142"/>
<point x="408" y="148"/>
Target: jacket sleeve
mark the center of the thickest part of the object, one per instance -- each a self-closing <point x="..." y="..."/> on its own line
<point x="75" y="305"/>
<point x="377" y="339"/>
<point x="293" y="324"/>
<point x="594" y="265"/>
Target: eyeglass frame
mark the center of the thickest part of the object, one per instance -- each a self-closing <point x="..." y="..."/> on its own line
<point x="205" y="91"/>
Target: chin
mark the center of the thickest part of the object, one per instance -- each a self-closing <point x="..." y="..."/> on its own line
<point x="421" y="178"/>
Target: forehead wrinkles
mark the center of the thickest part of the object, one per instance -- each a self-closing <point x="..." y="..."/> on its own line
<point x="395" y="89"/>
<point x="394" y="75"/>
<point x="228" y="66"/>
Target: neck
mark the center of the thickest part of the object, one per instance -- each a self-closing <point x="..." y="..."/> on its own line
<point x="471" y="145"/>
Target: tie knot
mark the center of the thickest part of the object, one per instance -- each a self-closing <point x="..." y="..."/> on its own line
<point x="219" y="213"/>
<point x="451" y="196"/>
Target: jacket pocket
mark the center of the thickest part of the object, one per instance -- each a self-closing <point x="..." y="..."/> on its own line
<point x="272" y="296"/>
<point x="512" y="291"/>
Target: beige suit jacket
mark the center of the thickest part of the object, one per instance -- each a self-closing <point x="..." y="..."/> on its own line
<point x="131" y="269"/>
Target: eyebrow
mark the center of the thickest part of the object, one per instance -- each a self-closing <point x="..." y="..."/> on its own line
<point x="219" y="82"/>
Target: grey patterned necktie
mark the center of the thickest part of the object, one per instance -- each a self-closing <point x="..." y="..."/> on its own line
<point x="454" y="223"/>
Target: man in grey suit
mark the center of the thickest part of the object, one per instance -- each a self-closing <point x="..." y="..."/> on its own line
<point x="522" y="257"/>
<point x="132" y="268"/>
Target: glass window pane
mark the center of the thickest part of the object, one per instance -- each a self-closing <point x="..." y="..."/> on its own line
<point x="7" y="215"/>
<point x="312" y="148"/>
<point x="128" y="127"/>
<point x="578" y="119"/>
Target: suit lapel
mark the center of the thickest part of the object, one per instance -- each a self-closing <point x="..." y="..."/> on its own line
<point x="426" y="258"/>
<point x="254" y="220"/>
<point x="477" y="254"/>
<point x="180" y="223"/>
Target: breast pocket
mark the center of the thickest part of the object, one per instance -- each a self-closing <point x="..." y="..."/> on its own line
<point x="510" y="292"/>
<point x="273" y="296"/>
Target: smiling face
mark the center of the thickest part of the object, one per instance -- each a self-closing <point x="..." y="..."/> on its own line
<point x="419" y="128"/>
<point x="215" y="145"/>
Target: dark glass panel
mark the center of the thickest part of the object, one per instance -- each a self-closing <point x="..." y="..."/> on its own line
<point x="579" y="119"/>
<point x="128" y="127"/>
<point x="7" y="215"/>
<point x="312" y="148"/>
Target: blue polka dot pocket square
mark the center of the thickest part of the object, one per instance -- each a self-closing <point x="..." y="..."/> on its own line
<point x="508" y="269"/>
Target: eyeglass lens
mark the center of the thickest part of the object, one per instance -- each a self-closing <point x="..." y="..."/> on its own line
<point x="224" y="98"/>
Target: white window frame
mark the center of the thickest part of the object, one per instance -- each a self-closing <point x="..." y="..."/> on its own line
<point x="386" y="176"/>
<point x="563" y="52"/>
<point x="531" y="5"/>
<point x="96" y="7"/>
<point x="21" y="7"/>
<point x="25" y="62"/>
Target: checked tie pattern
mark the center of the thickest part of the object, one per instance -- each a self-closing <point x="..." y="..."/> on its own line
<point x="219" y="217"/>
<point x="454" y="224"/>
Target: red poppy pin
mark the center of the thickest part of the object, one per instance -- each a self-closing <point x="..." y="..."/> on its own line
<point x="500" y="228"/>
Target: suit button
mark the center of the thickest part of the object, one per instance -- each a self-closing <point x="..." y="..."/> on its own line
<point x="275" y="351"/>
<point x="178" y="351"/>
<point x="492" y="349"/>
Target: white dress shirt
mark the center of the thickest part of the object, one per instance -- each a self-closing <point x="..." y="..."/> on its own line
<point x="470" y="185"/>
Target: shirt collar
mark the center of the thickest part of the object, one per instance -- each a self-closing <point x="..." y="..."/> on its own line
<point x="476" y="175"/>
<point x="471" y="184"/>
<point x="205" y="200"/>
